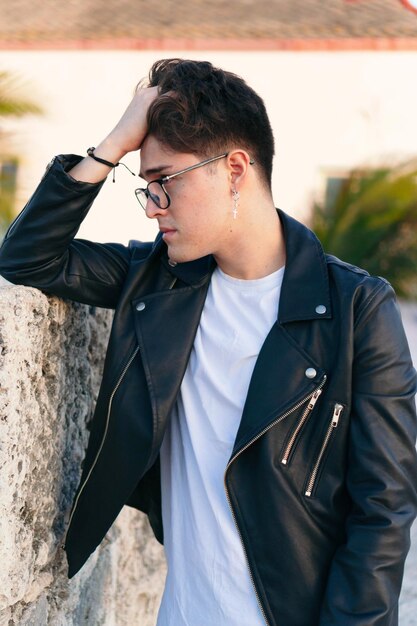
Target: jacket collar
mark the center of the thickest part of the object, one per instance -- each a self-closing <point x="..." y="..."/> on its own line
<point x="192" y="273"/>
<point x="305" y="288"/>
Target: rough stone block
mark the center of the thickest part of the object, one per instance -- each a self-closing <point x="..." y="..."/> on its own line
<point x="51" y="358"/>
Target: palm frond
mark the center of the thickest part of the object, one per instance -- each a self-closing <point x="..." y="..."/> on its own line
<point x="372" y="222"/>
<point x="12" y="102"/>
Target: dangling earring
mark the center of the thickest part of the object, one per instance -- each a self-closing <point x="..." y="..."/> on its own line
<point x="236" y="198"/>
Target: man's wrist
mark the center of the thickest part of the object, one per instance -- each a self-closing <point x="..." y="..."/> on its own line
<point x="109" y="150"/>
<point x="91" y="170"/>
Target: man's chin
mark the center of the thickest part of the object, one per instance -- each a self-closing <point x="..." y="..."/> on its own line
<point x="176" y="257"/>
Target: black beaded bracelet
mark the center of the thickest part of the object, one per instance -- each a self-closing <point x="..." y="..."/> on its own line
<point x="90" y="152"/>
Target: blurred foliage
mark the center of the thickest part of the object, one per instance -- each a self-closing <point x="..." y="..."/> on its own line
<point x="372" y="222"/>
<point x="12" y="103"/>
<point x="8" y="169"/>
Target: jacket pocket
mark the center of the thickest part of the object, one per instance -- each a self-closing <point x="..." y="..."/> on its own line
<point x="331" y="429"/>
<point x="294" y="436"/>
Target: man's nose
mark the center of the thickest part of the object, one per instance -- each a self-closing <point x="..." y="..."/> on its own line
<point x="153" y="210"/>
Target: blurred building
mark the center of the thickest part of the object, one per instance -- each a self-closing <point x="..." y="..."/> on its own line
<point x="338" y="79"/>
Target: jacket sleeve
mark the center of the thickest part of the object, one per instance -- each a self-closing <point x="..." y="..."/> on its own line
<point x="39" y="248"/>
<point x="366" y="573"/>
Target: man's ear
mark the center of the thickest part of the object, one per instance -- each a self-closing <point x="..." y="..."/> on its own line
<point x="239" y="162"/>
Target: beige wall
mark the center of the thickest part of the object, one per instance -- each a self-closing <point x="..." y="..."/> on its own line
<point x="329" y="111"/>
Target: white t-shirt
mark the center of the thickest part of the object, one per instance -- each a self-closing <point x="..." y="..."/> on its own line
<point x="208" y="581"/>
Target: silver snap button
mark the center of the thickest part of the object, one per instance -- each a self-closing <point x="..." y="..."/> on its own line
<point x="320" y="309"/>
<point x="140" y="306"/>
<point x="310" y="372"/>
<point x="172" y="263"/>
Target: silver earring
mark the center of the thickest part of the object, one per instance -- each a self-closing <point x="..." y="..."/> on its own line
<point x="236" y="198"/>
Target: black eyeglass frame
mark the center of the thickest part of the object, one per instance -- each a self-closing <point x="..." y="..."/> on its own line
<point x="164" y="179"/>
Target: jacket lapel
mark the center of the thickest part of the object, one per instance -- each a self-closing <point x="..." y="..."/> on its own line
<point x="166" y="324"/>
<point x="278" y="383"/>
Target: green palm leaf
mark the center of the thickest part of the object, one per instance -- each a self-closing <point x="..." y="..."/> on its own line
<point x="11" y="102"/>
<point x="372" y="222"/>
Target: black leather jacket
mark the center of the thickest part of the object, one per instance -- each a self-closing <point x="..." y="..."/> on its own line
<point x="323" y="475"/>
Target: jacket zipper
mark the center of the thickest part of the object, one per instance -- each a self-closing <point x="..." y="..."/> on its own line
<point x="338" y="408"/>
<point x="102" y="440"/>
<point x="302" y="421"/>
<point x="279" y="419"/>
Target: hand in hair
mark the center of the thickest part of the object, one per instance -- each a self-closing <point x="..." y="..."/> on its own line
<point x="131" y="130"/>
<point x="126" y="136"/>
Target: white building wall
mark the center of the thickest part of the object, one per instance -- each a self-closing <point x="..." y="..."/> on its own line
<point x="330" y="111"/>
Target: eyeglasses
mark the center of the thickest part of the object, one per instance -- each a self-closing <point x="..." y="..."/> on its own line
<point x="156" y="191"/>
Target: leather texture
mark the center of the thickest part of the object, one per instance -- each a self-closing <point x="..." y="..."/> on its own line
<point x="333" y="557"/>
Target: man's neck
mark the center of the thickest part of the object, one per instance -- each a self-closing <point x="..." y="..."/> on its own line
<point x="256" y="248"/>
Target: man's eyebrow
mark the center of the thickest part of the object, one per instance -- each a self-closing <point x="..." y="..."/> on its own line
<point x="154" y="170"/>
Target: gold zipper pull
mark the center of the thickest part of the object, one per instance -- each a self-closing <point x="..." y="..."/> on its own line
<point x="336" y="414"/>
<point x="300" y="424"/>
<point x="314" y="399"/>
<point x="338" y="408"/>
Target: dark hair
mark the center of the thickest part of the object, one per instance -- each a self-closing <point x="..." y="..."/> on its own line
<point x="206" y="111"/>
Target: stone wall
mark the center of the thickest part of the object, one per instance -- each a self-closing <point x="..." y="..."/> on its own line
<point x="51" y="357"/>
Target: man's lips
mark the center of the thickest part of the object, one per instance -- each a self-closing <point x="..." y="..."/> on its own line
<point x="167" y="232"/>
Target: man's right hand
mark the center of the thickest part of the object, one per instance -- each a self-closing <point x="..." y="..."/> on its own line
<point x="127" y="136"/>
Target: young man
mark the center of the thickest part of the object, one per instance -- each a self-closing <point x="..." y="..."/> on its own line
<point x="258" y="396"/>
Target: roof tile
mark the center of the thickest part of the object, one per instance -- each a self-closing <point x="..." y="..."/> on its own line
<point x="93" y="20"/>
